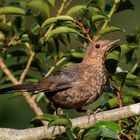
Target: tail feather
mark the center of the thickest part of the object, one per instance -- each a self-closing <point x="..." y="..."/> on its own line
<point x="20" y="87"/>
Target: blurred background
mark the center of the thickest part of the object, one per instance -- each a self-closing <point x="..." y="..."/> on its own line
<point x="15" y="113"/>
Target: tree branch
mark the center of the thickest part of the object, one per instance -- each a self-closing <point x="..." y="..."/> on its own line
<point x="82" y="122"/>
<point x="31" y="102"/>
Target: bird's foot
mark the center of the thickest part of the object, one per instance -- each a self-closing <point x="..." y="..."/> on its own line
<point x="93" y="112"/>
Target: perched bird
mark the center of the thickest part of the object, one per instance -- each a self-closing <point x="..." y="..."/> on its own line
<point x="77" y="85"/>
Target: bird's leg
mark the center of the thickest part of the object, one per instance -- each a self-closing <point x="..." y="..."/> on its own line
<point x="118" y="94"/>
<point x="93" y="112"/>
<point x="89" y="112"/>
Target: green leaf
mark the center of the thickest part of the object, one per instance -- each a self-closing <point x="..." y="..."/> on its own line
<point x="11" y="10"/>
<point x="104" y="129"/>
<point x="65" y="39"/>
<point x="131" y="91"/>
<point x="59" y="122"/>
<point x="108" y="124"/>
<point x="60" y="30"/>
<point x="125" y="48"/>
<point x="99" y="17"/>
<point x="110" y="29"/>
<point x="132" y="80"/>
<point x="40" y="9"/>
<point x="47" y="117"/>
<point x="55" y="19"/>
<point x="125" y="5"/>
<point x="108" y="133"/>
<point x="96" y="3"/>
<point x="77" y="54"/>
<point x="113" y="55"/>
<point x="52" y="2"/>
<point x="75" y="9"/>
<point x="92" y="134"/>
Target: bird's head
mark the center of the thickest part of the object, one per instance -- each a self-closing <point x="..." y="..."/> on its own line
<point x="99" y="49"/>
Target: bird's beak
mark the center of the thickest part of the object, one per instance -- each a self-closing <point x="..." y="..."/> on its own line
<point x="109" y="45"/>
<point x="114" y="42"/>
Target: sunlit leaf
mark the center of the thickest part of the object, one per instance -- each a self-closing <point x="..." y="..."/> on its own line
<point x="125" y="48"/>
<point x="75" y="9"/>
<point x="99" y="17"/>
<point x="110" y="29"/>
<point x="109" y="133"/>
<point x="40" y="9"/>
<point x="60" y="30"/>
<point x="108" y="124"/>
<point x="59" y="122"/>
<point x="55" y="19"/>
<point x="11" y="10"/>
<point x="47" y="117"/>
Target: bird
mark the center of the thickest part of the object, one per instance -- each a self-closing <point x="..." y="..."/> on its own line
<point x="77" y="85"/>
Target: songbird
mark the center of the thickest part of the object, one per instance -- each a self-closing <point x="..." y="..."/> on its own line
<point x="78" y="85"/>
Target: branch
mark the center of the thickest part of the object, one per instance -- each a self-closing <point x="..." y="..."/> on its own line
<point x="26" y="95"/>
<point x="28" y="64"/>
<point x="82" y="122"/>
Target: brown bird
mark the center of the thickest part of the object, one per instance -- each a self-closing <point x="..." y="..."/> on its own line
<point x="77" y="85"/>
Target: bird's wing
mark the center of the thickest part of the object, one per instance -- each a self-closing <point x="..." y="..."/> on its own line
<point x="58" y="81"/>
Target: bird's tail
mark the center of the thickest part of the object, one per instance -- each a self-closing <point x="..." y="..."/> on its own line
<point x="20" y="87"/>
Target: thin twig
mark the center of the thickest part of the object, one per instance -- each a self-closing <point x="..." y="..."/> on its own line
<point x="61" y="7"/>
<point x="28" y="64"/>
<point x="110" y="15"/>
<point x="107" y="21"/>
<point x="58" y="13"/>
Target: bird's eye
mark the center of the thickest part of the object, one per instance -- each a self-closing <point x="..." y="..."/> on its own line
<point x="97" y="46"/>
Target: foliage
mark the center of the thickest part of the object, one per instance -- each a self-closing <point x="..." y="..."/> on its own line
<point x="48" y="28"/>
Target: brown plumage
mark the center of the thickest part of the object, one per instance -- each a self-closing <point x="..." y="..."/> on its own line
<point x="77" y="85"/>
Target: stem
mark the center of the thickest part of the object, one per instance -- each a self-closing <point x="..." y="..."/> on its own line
<point x="28" y="64"/>
<point x="62" y="7"/>
<point x="110" y="15"/>
<point x="107" y="21"/>
<point x="53" y="67"/>
<point x="58" y="13"/>
<point x="134" y="67"/>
